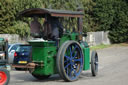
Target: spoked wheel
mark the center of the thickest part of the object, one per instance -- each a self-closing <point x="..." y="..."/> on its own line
<point x="4" y="77"/>
<point x="70" y="61"/>
<point x="94" y="63"/>
<point x="40" y="77"/>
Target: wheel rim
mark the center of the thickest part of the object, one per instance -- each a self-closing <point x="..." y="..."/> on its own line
<point x="73" y="61"/>
<point x="3" y="77"/>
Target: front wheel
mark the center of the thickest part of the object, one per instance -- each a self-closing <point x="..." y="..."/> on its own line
<point x="94" y="63"/>
<point x="4" y="77"/>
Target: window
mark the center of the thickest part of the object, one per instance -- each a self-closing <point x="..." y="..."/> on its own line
<point x="14" y="47"/>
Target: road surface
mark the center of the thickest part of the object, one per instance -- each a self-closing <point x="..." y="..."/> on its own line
<point x="113" y="70"/>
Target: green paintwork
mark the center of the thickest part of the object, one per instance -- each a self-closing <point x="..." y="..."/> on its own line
<point x="86" y="52"/>
<point x="68" y="36"/>
<point x="44" y="54"/>
<point x="86" y="58"/>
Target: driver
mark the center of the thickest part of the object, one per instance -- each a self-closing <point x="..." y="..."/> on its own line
<point x="35" y="28"/>
<point x="57" y="28"/>
<point x="52" y="29"/>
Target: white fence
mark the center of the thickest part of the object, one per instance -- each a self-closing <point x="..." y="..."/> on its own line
<point x="97" y="38"/>
<point x="13" y="38"/>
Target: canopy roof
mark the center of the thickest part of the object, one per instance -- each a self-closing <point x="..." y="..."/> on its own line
<point x="41" y="12"/>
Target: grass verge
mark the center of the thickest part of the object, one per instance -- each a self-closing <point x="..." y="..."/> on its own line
<point x="99" y="47"/>
<point x="102" y="46"/>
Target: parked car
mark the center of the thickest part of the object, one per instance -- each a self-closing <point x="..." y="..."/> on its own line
<point x="22" y="55"/>
<point x="11" y="50"/>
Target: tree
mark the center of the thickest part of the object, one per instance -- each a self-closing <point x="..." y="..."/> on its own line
<point x="6" y="16"/>
<point x="103" y="14"/>
<point x="88" y="20"/>
<point x="112" y="16"/>
<point x="119" y="27"/>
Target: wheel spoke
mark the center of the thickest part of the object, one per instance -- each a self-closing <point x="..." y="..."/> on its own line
<point x="75" y="73"/>
<point x="75" y="54"/>
<point x="80" y="60"/>
<point x="67" y="57"/>
<point x="76" y="66"/>
<point x="71" y="51"/>
<point x="67" y="65"/>
<point x="66" y="61"/>
<point x="71" y="71"/>
<point x="74" y="49"/>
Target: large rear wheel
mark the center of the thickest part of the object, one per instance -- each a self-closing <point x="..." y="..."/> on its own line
<point x="4" y="77"/>
<point x="70" y="61"/>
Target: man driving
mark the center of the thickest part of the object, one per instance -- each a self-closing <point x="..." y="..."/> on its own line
<point x="35" y="28"/>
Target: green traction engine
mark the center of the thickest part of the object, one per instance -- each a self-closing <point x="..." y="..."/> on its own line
<point x="58" y="48"/>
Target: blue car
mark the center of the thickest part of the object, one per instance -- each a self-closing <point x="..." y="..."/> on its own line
<point x="22" y="55"/>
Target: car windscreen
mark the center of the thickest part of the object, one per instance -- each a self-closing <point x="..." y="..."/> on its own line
<point x="23" y="49"/>
<point x="14" y="47"/>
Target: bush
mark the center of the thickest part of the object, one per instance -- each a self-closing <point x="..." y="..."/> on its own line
<point x="112" y="15"/>
<point x="119" y="27"/>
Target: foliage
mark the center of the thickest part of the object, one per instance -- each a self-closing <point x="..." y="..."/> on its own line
<point x="112" y="15"/>
<point x="103" y="14"/>
<point x="88" y="20"/>
<point x="119" y="28"/>
<point x="100" y="15"/>
<point x="21" y="28"/>
<point x="6" y="16"/>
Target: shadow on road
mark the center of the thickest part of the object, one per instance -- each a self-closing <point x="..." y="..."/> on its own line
<point x="26" y="77"/>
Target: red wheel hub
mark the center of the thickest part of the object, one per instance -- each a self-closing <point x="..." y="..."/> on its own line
<point x="3" y="78"/>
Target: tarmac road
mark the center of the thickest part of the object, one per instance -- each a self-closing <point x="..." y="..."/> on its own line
<point x="113" y="70"/>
